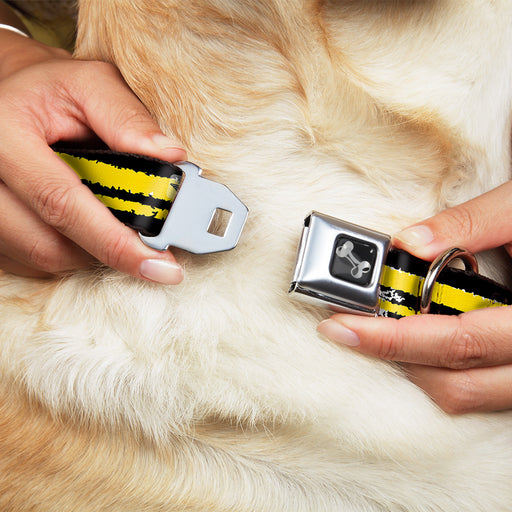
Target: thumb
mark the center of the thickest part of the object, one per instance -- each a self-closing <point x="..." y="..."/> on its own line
<point x="479" y="224"/>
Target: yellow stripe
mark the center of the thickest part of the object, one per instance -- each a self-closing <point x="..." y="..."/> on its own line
<point x="133" y="207"/>
<point x="120" y="178"/>
<point x="400" y="280"/>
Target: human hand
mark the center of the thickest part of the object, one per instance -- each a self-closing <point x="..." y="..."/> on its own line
<point x="463" y="362"/>
<point x="50" y="222"/>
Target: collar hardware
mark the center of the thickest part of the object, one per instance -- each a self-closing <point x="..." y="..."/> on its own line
<point x="351" y="269"/>
<point x="437" y="267"/>
<point x="339" y="265"/>
<point x="188" y="224"/>
<point x="168" y="204"/>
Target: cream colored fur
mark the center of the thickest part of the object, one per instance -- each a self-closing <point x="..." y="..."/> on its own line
<point x="217" y="394"/>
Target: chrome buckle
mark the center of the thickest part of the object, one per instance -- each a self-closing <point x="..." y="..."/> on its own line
<point x="339" y="265"/>
<point x="188" y="222"/>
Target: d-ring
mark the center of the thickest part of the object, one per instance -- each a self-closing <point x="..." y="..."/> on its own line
<point x="437" y="266"/>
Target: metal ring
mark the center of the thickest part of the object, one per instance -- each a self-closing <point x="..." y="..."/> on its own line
<point x="436" y="268"/>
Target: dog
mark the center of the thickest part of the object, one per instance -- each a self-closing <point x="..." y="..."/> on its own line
<point x="218" y="394"/>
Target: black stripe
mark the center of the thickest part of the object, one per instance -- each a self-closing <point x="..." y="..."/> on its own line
<point x="442" y="309"/>
<point x="148" y="226"/>
<point x="389" y="314"/>
<point x="475" y="283"/>
<point x="138" y="163"/>
<point x="406" y="262"/>
<point x="120" y="193"/>
<point x="399" y="298"/>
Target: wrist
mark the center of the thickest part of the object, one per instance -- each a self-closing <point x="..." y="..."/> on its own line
<point x="11" y="28"/>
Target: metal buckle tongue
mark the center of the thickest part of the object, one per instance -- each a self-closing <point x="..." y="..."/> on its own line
<point x="339" y="265"/>
<point x="187" y="225"/>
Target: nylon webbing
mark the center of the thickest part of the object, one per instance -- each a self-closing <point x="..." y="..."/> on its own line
<point x="455" y="291"/>
<point x="138" y="190"/>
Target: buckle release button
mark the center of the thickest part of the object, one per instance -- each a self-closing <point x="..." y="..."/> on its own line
<point x="353" y="260"/>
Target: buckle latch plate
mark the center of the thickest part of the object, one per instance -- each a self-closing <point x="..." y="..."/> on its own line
<point x="339" y="265"/>
<point x="188" y="222"/>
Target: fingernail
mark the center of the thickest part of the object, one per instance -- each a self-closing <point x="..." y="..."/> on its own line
<point x="338" y="333"/>
<point x="161" y="271"/>
<point x="164" y="143"/>
<point x="416" y="236"/>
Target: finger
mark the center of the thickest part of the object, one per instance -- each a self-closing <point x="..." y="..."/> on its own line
<point x="474" y="339"/>
<point x="463" y="391"/>
<point x="55" y="193"/>
<point x="14" y="267"/>
<point x="118" y="117"/>
<point x="479" y="224"/>
<point x="30" y="243"/>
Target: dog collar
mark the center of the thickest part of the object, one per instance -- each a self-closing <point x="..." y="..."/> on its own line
<point x="348" y="268"/>
<point x="168" y="204"/>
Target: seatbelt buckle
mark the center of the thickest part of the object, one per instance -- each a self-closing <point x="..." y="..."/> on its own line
<point x="189" y="222"/>
<point x="339" y="265"/>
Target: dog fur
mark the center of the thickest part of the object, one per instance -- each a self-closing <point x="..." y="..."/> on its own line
<point x="217" y="394"/>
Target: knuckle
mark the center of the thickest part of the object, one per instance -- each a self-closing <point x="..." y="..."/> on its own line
<point x="460" y="394"/>
<point x="385" y="349"/>
<point x="465" y="348"/>
<point x="116" y="250"/>
<point x="54" y="205"/>
<point x="134" y="116"/>
<point x="460" y="220"/>
<point x="43" y="257"/>
<point x="389" y="346"/>
<point x="79" y="85"/>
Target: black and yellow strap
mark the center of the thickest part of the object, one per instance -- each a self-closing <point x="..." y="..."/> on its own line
<point x="170" y="205"/>
<point x="138" y="190"/>
<point x="454" y="292"/>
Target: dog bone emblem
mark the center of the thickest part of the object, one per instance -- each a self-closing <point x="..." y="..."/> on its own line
<point x="358" y="267"/>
